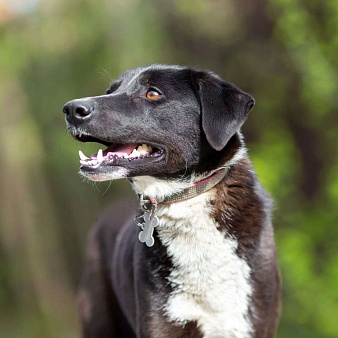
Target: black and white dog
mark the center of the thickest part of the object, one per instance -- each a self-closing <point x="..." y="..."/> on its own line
<point x="208" y="265"/>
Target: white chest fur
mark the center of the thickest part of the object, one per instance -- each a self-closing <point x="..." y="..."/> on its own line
<point x="211" y="283"/>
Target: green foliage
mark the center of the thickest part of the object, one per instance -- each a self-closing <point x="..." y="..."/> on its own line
<point x="281" y="51"/>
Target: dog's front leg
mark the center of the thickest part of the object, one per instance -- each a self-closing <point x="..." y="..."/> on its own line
<point x="99" y="310"/>
<point x="158" y="325"/>
<point x="95" y="295"/>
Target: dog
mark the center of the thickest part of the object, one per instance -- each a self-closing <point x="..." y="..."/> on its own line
<point x="198" y="257"/>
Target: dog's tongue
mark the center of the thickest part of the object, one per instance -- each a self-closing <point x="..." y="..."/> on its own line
<point x="130" y="151"/>
<point x="121" y="149"/>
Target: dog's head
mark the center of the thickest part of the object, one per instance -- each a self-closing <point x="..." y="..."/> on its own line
<point x="160" y="121"/>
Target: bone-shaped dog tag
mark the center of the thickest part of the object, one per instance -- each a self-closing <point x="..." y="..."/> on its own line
<point x="146" y="235"/>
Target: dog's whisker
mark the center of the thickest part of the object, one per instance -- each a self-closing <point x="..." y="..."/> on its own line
<point x="106" y="73"/>
<point x="110" y="182"/>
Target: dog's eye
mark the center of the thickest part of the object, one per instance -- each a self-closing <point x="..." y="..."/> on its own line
<point x="152" y="95"/>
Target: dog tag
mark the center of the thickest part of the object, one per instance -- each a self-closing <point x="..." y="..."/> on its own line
<point x="146" y="235"/>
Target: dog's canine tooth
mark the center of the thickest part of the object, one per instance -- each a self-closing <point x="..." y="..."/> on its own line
<point x="83" y="157"/>
<point x="99" y="157"/>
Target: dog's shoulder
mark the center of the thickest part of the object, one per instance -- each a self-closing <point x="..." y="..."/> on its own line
<point x="112" y="220"/>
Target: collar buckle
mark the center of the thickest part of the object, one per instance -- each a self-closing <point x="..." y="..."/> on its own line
<point x="148" y="204"/>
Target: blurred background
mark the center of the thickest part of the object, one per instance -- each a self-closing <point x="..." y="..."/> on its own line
<point x="284" y="52"/>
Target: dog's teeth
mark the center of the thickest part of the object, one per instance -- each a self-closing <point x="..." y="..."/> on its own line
<point x="99" y="157"/>
<point x="125" y="155"/>
<point x="80" y="134"/>
<point x="146" y="147"/>
<point x="91" y="162"/>
<point x="135" y="153"/>
<point x="83" y="162"/>
<point x="143" y="149"/>
<point x="83" y="157"/>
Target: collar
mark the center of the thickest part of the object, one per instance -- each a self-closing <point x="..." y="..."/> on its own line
<point x="148" y="202"/>
<point x="149" y="205"/>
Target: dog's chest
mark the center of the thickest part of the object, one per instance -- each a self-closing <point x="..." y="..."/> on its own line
<point x="211" y="283"/>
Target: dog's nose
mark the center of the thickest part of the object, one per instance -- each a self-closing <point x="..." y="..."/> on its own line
<point x="77" y="110"/>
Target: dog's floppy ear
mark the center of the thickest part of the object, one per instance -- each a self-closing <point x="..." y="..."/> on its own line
<point x="113" y="86"/>
<point x="224" y="108"/>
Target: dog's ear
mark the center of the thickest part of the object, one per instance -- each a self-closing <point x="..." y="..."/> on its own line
<point x="224" y="108"/>
<point x="113" y="86"/>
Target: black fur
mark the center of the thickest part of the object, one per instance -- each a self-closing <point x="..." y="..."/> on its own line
<point x="224" y="108"/>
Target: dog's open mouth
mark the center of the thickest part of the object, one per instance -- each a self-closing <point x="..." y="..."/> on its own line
<point x="119" y="154"/>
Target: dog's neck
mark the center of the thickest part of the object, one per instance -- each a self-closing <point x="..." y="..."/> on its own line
<point x="161" y="189"/>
